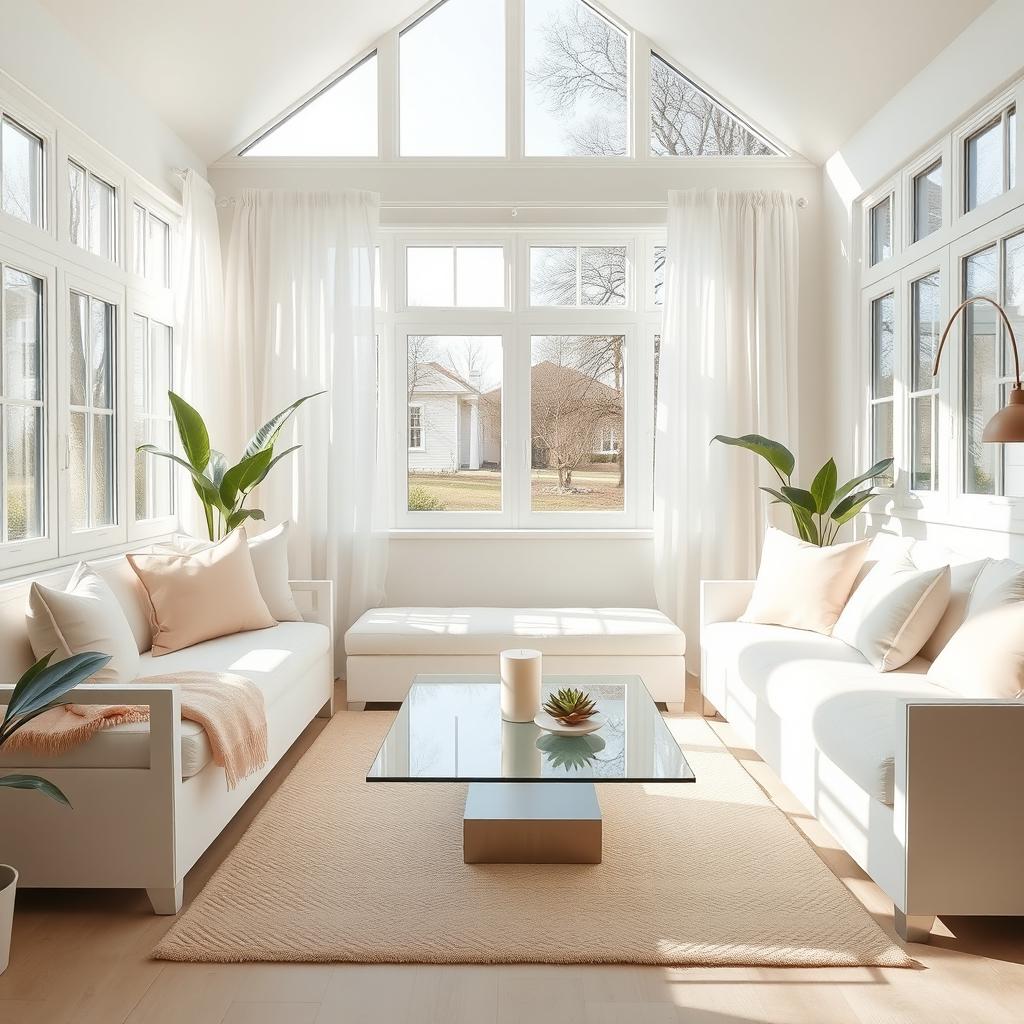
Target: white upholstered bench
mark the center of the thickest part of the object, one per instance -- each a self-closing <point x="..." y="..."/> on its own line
<point x="386" y="647"/>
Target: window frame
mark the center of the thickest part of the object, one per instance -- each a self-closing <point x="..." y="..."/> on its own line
<point x="588" y="238"/>
<point x="474" y="243"/>
<point x="409" y="428"/>
<point x="159" y="310"/>
<point x="93" y="161"/>
<point x="885" y="495"/>
<point x="17" y="553"/>
<point x="137" y="194"/>
<point x="72" y="541"/>
<point x="22" y="115"/>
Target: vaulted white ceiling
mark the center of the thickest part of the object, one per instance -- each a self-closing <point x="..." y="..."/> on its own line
<point x="810" y="71"/>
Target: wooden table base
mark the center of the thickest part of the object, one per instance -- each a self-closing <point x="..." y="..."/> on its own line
<point x="531" y="823"/>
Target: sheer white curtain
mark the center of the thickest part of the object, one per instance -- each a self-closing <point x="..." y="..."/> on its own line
<point x="200" y="353"/>
<point x="727" y="366"/>
<point x="299" y="310"/>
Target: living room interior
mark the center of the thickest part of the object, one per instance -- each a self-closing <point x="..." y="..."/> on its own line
<point x="501" y="502"/>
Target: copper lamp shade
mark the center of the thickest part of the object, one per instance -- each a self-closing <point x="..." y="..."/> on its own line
<point x="1007" y="426"/>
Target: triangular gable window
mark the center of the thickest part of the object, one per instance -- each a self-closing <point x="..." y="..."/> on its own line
<point x="339" y="120"/>
<point x="686" y="121"/>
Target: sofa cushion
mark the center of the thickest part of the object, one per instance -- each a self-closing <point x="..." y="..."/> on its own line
<point x="572" y="631"/>
<point x="275" y="659"/>
<point x="822" y="689"/>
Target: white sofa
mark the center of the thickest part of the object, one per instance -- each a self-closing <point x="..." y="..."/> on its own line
<point x="387" y="647"/>
<point x="147" y="799"/>
<point x="922" y="787"/>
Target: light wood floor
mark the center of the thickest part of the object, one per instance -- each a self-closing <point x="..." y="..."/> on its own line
<point x="81" y="957"/>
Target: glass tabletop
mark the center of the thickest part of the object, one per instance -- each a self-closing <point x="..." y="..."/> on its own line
<point x="449" y="729"/>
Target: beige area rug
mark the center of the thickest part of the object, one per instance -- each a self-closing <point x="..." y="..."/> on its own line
<point x="338" y="869"/>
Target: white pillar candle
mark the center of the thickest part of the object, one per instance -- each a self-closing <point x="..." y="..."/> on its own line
<point x="520" y="684"/>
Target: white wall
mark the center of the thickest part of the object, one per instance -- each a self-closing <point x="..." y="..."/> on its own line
<point x="978" y="64"/>
<point x="602" y="570"/>
<point x="43" y="58"/>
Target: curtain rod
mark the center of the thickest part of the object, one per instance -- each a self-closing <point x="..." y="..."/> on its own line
<point x="412" y="204"/>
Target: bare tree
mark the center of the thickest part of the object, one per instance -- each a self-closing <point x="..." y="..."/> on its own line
<point x="585" y="62"/>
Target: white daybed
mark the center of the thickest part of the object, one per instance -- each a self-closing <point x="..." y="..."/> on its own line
<point x="387" y="647"/>
<point x="147" y="799"/>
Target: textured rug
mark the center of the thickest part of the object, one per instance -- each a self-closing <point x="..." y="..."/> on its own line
<point x="337" y="869"/>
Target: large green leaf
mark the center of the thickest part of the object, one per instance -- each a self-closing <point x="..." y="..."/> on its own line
<point x="823" y="487"/>
<point x="800" y="498"/>
<point x="21" y="691"/>
<point x="876" y="470"/>
<point x="267" y="435"/>
<point x="205" y="487"/>
<point x="239" y="517"/>
<point x="52" y="683"/>
<point x="851" y="505"/>
<point x="242" y="476"/>
<point x="195" y="440"/>
<point x="778" y="456"/>
<point x="806" y="521"/>
<point x="36" y="783"/>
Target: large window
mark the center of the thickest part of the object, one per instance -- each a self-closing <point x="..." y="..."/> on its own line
<point x="339" y="120"/>
<point x="151" y="380"/>
<point x="513" y="404"/>
<point x="22" y="177"/>
<point x="151" y="246"/>
<point x="22" y="405"/>
<point x="451" y="64"/>
<point x="91" y="447"/>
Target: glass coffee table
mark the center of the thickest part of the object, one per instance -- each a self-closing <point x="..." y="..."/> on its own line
<point x="531" y="797"/>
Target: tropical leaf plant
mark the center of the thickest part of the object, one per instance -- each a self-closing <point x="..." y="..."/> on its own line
<point x="222" y="488"/>
<point x="821" y="511"/>
<point x="40" y="689"/>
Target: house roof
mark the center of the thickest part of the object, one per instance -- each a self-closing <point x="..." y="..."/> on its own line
<point x="555" y="374"/>
<point x="463" y="385"/>
<point x="811" y="72"/>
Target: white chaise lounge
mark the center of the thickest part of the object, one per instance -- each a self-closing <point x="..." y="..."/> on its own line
<point x="386" y="647"/>
<point x="922" y="787"/>
<point x="147" y="799"/>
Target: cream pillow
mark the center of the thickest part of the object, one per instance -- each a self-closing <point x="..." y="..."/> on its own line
<point x="1001" y="582"/>
<point x="85" y="616"/>
<point x="269" y="551"/>
<point x="802" y="585"/>
<point x="985" y="656"/>
<point x="132" y="597"/>
<point x="201" y="596"/>
<point x="894" y="611"/>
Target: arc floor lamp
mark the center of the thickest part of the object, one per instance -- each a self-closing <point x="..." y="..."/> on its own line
<point x="1007" y="426"/>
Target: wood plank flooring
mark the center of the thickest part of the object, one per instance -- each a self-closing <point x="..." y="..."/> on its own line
<point x="81" y="957"/>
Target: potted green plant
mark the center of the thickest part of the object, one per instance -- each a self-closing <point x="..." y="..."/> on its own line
<point x="224" y="489"/>
<point x="821" y="511"/>
<point x="41" y="688"/>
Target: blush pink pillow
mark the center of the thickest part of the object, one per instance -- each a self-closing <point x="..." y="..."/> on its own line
<point x="196" y="597"/>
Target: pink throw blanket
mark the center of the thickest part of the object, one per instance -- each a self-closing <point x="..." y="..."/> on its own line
<point x="229" y="707"/>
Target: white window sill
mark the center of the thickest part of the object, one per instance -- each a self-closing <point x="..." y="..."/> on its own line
<point x="597" y="533"/>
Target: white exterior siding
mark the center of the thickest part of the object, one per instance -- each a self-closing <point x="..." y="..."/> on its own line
<point x="440" y="435"/>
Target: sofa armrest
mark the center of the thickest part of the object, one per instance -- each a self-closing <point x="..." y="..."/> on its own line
<point x="315" y="601"/>
<point x="959" y="806"/>
<point x="723" y="600"/>
<point x="164" y="705"/>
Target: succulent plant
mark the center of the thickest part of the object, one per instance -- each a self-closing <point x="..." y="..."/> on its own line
<point x="570" y="706"/>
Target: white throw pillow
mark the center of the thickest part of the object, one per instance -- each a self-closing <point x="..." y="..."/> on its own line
<point x="801" y="585"/>
<point x="1001" y="582"/>
<point x="269" y="552"/>
<point x="985" y="656"/>
<point x="894" y="611"/>
<point x="132" y="596"/>
<point x="86" y="616"/>
<point x="962" y="580"/>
